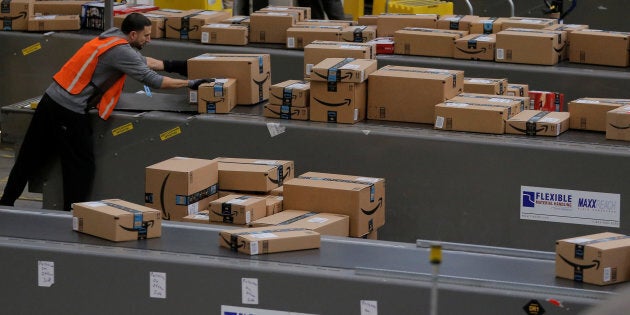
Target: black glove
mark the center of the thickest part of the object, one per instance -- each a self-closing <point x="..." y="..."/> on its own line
<point x="177" y="66"/>
<point x="194" y="84"/>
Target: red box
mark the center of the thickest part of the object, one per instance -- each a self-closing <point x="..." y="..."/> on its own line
<point x="140" y="8"/>
<point x="384" y="45"/>
<point x="546" y="101"/>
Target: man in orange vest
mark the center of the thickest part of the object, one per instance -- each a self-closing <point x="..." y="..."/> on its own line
<point x="92" y="78"/>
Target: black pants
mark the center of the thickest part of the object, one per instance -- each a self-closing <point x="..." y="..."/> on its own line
<point x="332" y="8"/>
<point x="55" y="132"/>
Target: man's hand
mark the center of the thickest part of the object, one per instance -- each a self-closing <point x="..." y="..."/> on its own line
<point x="194" y="84"/>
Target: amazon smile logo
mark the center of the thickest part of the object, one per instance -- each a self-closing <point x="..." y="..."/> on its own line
<point x="339" y="78"/>
<point x="293" y="96"/>
<point x="276" y="181"/>
<point x="166" y="215"/>
<point x="373" y="210"/>
<point x="619" y="127"/>
<point x="260" y="83"/>
<point x="347" y="102"/>
<point x="228" y="215"/>
<point x="561" y="48"/>
<point x="532" y="131"/>
<point x="233" y="244"/>
<point x="581" y="267"/>
<point x="295" y="112"/>
<point x="472" y="52"/>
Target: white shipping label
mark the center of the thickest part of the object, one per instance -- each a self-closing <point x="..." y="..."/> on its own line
<point x="237" y="201"/>
<point x="482" y="81"/>
<point x="317" y="220"/>
<point x="219" y="25"/>
<point x="549" y="120"/>
<point x="201" y="217"/>
<point x="570" y="206"/>
<point x="369" y="307"/>
<point x="75" y="223"/>
<point x="587" y="101"/>
<point x="350" y="47"/>
<point x="290" y="42"/>
<point x="367" y="179"/>
<point x="350" y="66"/>
<point x="253" y="248"/>
<point x="530" y="21"/>
<point x="485" y="39"/>
<point x="501" y="100"/>
<point x="204" y="57"/>
<point x="208" y="13"/>
<point x="192" y="97"/>
<point x="455" y="104"/>
<point x="263" y="235"/>
<point x="309" y="68"/>
<point x="249" y="290"/>
<point x="439" y="122"/>
<point x="267" y="162"/>
<point x="500" y="54"/>
<point x="205" y="37"/>
<point x="95" y="204"/>
<point x="579" y="240"/>
<point x="224" y="81"/>
<point x="45" y="273"/>
<point x="607" y="273"/>
<point x="248" y="216"/>
<point x="355" y="117"/>
<point x="45" y="17"/>
<point x="193" y="208"/>
<point x="157" y="285"/>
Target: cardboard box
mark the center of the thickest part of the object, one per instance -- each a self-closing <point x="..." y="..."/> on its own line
<point x="590" y="113"/>
<point x="218" y="97"/>
<point x="371" y="236"/>
<point x="360" y="198"/>
<point x="322" y="223"/>
<point x="388" y="24"/>
<point x="292" y="93"/>
<point x="253" y="175"/>
<point x="188" y="25"/>
<point x="526" y="22"/>
<point x="277" y="191"/>
<point x="317" y="51"/>
<point x="274" y="204"/>
<point x="600" y="47"/>
<point x="618" y="123"/>
<point x="512" y="106"/>
<point x="345" y="103"/>
<point x="334" y="70"/>
<point x="384" y="45"/>
<point x="40" y="23"/>
<point x="251" y="71"/>
<point x="547" y="101"/>
<point x="485" y="86"/>
<point x="470" y="117"/>
<point x="426" y="41"/>
<point x="359" y="33"/>
<point x="271" y="27"/>
<point x="456" y="22"/>
<point x="116" y="220"/>
<point x="181" y="186"/>
<point x="238" y="209"/>
<point x="286" y="112"/>
<point x="538" y="100"/>
<point x="394" y="95"/>
<point x="538" y="123"/>
<point x="304" y="13"/>
<point x="301" y="35"/>
<point x="530" y="46"/>
<point x="475" y="47"/>
<point x="600" y="259"/>
<point x="224" y="34"/>
<point x="14" y="14"/>
<point x="265" y="240"/>
<point x="524" y="101"/>
<point x="202" y="217"/>
<point x="367" y="20"/>
<point x="158" y="19"/>
<point x="237" y="20"/>
<point x="567" y="28"/>
<point x="486" y="25"/>
<point x="517" y="90"/>
<point x="58" y="7"/>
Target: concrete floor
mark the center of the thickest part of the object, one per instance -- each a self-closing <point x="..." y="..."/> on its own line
<point x="27" y="200"/>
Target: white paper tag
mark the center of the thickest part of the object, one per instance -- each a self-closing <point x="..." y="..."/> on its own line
<point x="530" y="21"/>
<point x="309" y="68"/>
<point x="248" y="216"/>
<point x="219" y="25"/>
<point x="253" y="248"/>
<point x="367" y="179"/>
<point x="369" y="307"/>
<point x="290" y="42"/>
<point x="485" y="39"/>
<point x="355" y="116"/>
<point x="263" y="235"/>
<point x="193" y="208"/>
<point x="587" y="101"/>
<point x="192" y="96"/>
<point x="275" y="129"/>
<point x="45" y="17"/>
<point x="482" y="81"/>
<point x="455" y="104"/>
<point x="500" y="100"/>
<point x="223" y="80"/>
<point x="500" y="54"/>
<point x="204" y="57"/>
<point x="200" y="216"/>
<point x="237" y="201"/>
<point x="95" y="204"/>
<point x="208" y="13"/>
<point x="157" y="285"/>
<point x="205" y="37"/>
<point x="317" y="220"/>
<point x="266" y="162"/>
<point x="45" y="273"/>
<point x="350" y="66"/>
<point x="607" y="273"/>
<point x="75" y="223"/>
<point x="439" y="122"/>
<point x="249" y="290"/>
<point x="549" y="120"/>
<point x="350" y="47"/>
<point x="579" y="240"/>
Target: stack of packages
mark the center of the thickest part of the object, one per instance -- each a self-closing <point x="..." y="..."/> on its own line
<point x="608" y="115"/>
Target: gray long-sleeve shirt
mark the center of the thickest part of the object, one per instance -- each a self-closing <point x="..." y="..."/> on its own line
<point x="119" y="60"/>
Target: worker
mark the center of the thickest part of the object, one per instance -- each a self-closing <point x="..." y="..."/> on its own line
<point x="333" y="9"/>
<point x="92" y="78"/>
<point x="241" y="7"/>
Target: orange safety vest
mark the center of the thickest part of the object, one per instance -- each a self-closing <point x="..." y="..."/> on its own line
<point x="77" y="73"/>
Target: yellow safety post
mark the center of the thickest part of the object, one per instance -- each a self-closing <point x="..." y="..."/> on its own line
<point x="356" y="8"/>
<point x="216" y="5"/>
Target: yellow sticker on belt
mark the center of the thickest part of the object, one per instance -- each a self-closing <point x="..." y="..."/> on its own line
<point x="122" y="129"/>
<point x="170" y="133"/>
<point x="31" y="49"/>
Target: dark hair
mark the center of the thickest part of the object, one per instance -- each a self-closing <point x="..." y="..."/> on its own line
<point x="134" y="22"/>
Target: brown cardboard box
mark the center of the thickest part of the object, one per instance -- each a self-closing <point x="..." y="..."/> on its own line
<point x="277" y="191"/>
<point x="456" y="22"/>
<point x="426" y="41"/>
<point x="40" y="23"/>
<point x="274" y="204"/>
<point x="265" y="240"/>
<point x="253" y="175"/>
<point x="486" y="25"/>
<point x="485" y="86"/>
<point x="526" y="22"/>
<point x="567" y="28"/>
<point x="286" y="112"/>
<point x="181" y="186"/>
<point x="524" y="101"/>
<point x="333" y="70"/>
<point x="517" y="89"/>
<point x="301" y="35"/>
<point x="317" y="51"/>
<point x="512" y="106"/>
<point x="618" y="123"/>
<point x="388" y="24"/>
<point x="304" y="13"/>
<point x="188" y="25"/>
<point x="15" y="13"/>
<point x="238" y="209"/>
<point x="360" y="198"/>
<point x="116" y="220"/>
<point x="201" y="217"/>
<point x="530" y="46"/>
<point x="368" y="20"/>
<point x="251" y="71"/>
<point x="224" y="34"/>
<point x="58" y="7"/>
<point x="322" y="223"/>
<point x="600" y="47"/>
<point x="600" y="259"/>
<point x="359" y="33"/>
<point x="342" y="103"/>
<point x="371" y="236"/>
<point x="538" y="123"/>
<point x="218" y="97"/>
<point x="293" y="93"/>
<point x="590" y="113"/>
<point x="470" y="117"/>
<point x="394" y="94"/>
<point x="475" y="47"/>
<point x="271" y="27"/>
